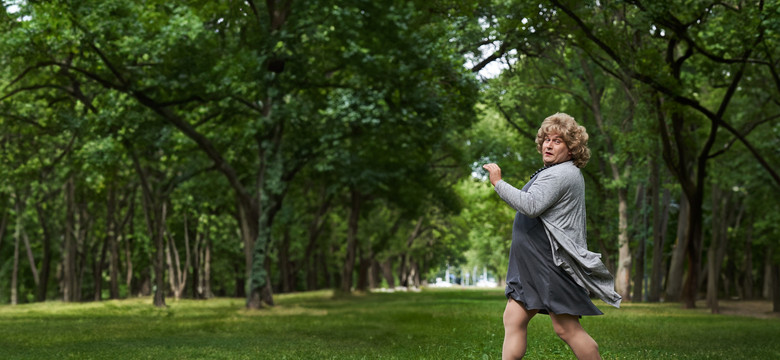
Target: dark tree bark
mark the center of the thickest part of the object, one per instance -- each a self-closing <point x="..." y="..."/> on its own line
<point x="352" y="230"/>
<point x="660" y="221"/>
<point x="70" y="247"/>
<point x="154" y="207"/>
<point x="747" y="269"/>
<point x="639" y="261"/>
<point x="677" y="264"/>
<point x="17" y="239"/>
<point x="387" y="273"/>
<point x="112" y="234"/>
<point x="364" y="266"/>
<point x="45" y="273"/>
<point x="286" y="274"/>
<point x="775" y="271"/>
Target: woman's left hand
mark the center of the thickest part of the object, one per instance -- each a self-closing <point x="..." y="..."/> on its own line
<point x="494" y="171"/>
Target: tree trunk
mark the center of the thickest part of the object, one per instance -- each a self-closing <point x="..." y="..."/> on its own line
<point x="387" y="273"/>
<point x="641" y="231"/>
<point x="207" y="267"/>
<point x="249" y="231"/>
<point x="660" y="222"/>
<point x="129" y="238"/>
<point x="159" y="244"/>
<point x="691" y="284"/>
<point x="375" y="275"/>
<point x="197" y="287"/>
<point x="713" y="265"/>
<point x="747" y="269"/>
<point x="414" y="273"/>
<point x="70" y="249"/>
<point x="677" y="266"/>
<point x="177" y="275"/>
<point x="402" y="273"/>
<point x="364" y="267"/>
<point x="766" y="291"/>
<point x="84" y="226"/>
<point x="352" y="231"/>
<point x="43" y="285"/>
<point x="624" y="253"/>
<point x="31" y="258"/>
<point x="17" y="239"/>
<point x="284" y="262"/>
<point x="775" y="270"/>
<point x="113" y="248"/>
<point x="97" y="270"/>
<point x="315" y="229"/>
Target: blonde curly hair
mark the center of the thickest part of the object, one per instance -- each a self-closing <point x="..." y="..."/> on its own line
<point x="574" y="135"/>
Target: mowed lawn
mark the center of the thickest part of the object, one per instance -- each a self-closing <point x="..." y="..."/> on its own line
<point x="431" y="324"/>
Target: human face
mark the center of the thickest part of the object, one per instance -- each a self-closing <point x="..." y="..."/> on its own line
<point x="554" y="150"/>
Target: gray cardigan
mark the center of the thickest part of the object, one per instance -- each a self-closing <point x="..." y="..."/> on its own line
<point x="557" y="197"/>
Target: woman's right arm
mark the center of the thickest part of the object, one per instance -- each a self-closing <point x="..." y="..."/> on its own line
<point x="542" y="194"/>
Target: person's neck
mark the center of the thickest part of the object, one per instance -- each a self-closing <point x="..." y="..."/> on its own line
<point x="553" y="164"/>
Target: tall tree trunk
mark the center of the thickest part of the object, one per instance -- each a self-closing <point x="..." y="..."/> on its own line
<point x="31" y="258"/>
<point x="364" y="266"/>
<point x="622" y="279"/>
<point x="197" y="287"/>
<point x="352" y="231"/>
<point x="405" y="264"/>
<point x="17" y="238"/>
<point x="207" y="266"/>
<point x="70" y="253"/>
<point x="97" y="273"/>
<point x="159" y="270"/>
<point x="387" y="273"/>
<point x="249" y="233"/>
<point x="315" y="229"/>
<point x="83" y="228"/>
<point x="674" y="279"/>
<point x="112" y="234"/>
<point x="154" y="206"/>
<point x="775" y="271"/>
<point x="414" y="273"/>
<point x="747" y="269"/>
<point x="284" y="262"/>
<point x="177" y="275"/>
<point x="639" y="266"/>
<point x="43" y="285"/>
<point x="660" y="221"/>
<point x="402" y="273"/>
<point x="375" y="275"/>
<point x="766" y="291"/>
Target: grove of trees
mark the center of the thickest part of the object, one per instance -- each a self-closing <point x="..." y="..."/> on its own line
<point x="245" y="148"/>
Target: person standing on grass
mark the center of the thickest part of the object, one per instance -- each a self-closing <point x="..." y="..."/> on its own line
<point x="550" y="269"/>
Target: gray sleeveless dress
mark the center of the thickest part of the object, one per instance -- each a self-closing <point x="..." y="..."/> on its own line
<point x="533" y="278"/>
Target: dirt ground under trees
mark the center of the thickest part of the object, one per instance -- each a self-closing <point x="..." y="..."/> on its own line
<point x="761" y="309"/>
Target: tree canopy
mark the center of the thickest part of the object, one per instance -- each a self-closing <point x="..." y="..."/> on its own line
<point x="242" y="148"/>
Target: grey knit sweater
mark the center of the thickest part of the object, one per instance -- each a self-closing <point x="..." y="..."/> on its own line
<point x="557" y="197"/>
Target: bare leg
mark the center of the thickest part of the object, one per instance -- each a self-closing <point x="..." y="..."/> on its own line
<point x="516" y="318"/>
<point x="569" y="330"/>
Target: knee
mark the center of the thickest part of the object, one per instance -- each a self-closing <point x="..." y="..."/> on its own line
<point x="561" y="331"/>
<point x="564" y="332"/>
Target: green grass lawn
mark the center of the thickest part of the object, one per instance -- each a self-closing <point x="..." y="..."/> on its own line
<point x="432" y="324"/>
